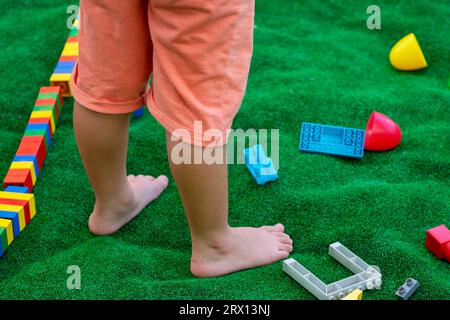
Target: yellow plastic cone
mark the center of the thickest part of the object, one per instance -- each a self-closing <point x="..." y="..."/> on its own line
<point x="354" y="295"/>
<point x="406" y="54"/>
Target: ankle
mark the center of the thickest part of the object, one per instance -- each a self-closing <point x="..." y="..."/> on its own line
<point x="218" y="240"/>
<point x="122" y="200"/>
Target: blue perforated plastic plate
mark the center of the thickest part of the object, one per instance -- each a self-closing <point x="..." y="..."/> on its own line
<point x="333" y="140"/>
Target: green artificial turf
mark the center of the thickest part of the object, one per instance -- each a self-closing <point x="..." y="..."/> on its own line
<point x="313" y="61"/>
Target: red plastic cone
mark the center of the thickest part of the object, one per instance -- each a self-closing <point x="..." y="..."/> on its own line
<point x="382" y="133"/>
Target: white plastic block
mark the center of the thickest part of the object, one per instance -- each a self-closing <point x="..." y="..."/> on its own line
<point x="365" y="276"/>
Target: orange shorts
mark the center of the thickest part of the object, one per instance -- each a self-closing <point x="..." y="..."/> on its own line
<point x="199" y="53"/>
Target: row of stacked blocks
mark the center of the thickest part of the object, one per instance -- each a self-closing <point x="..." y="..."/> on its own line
<point x="63" y="71"/>
<point x="17" y="203"/>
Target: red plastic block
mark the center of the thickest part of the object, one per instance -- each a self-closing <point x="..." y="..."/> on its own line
<point x="72" y="39"/>
<point x="68" y="58"/>
<point x="33" y="146"/>
<point x="382" y="133"/>
<point x="22" y="203"/>
<point x="438" y="242"/>
<point x="48" y="102"/>
<point x="46" y="121"/>
<point x="18" y="177"/>
<point x="53" y="89"/>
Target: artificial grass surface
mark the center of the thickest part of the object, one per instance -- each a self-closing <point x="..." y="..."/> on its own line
<point x="313" y="61"/>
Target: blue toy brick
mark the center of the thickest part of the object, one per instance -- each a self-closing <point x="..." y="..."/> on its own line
<point x="27" y="159"/>
<point x="41" y="126"/>
<point x="138" y="113"/>
<point x="65" y="65"/>
<point x="63" y="71"/>
<point x="260" y="166"/>
<point x="15" y="220"/>
<point x="17" y="189"/>
<point x="333" y="140"/>
<point x="407" y="289"/>
<point x="3" y="241"/>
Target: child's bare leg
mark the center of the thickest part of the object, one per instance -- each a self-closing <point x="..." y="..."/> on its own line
<point x="217" y="248"/>
<point x="102" y="140"/>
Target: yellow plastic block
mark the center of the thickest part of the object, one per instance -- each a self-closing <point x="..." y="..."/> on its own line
<point x="19" y="210"/>
<point x="76" y="23"/>
<point x="7" y="224"/>
<point x="407" y="55"/>
<point x="25" y="165"/>
<point x="21" y="196"/>
<point x="62" y="80"/>
<point x="354" y="295"/>
<point x="69" y="52"/>
<point x="45" y="114"/>
<point x="71" y="46"/>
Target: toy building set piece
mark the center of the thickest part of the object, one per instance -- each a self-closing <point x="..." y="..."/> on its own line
<point x="365" y="276"/>
<point x="354" y="295"/>
<point x="407" y="289"/>
<point x="406" y="54"/>
<point x="260" y="166"/>
<point x="438" y="242"/>
<point x="333" y="140"/>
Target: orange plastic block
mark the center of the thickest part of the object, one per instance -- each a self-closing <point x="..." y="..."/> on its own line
<point x="33" y="146"/>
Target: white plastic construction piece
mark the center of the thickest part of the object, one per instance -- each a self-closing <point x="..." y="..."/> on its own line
<point x="365" y="276"/>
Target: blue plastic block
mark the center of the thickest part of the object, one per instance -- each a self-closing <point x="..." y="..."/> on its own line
<point x="63" y="71"/>
<point x="259" y="165"/>
<point x="65" y="65"/>
<point x="337" y="141"/>
<point x="139" y="112"/>
<point x="15" y="220"/>
<point x="407" y="289"/>
<point x="41" y="126"/>
<point x="17" y="189"/>
<point x="27" y="159"/>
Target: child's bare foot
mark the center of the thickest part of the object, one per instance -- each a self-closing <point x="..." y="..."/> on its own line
<point x="107" y="218"/>
<point x="239" y="249"/>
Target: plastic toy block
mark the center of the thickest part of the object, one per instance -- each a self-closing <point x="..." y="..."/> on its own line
<point x="72" y="39"/>
<point x="438" y="242"/>
<point x="20" y="203"/>
<point x="62" y="80"/>
<point x="333" y="140"/>
<point x="365" y="276"/>
<point x="16" y="210"/>
<point x="51" y="97"/>
<point x="47" y="127"/>
<point x="14" y="217"/>
<point x="19" y="177"/>
<point x="407" y="55"/>
<point x="3" y="240"/>
<point x="382" y="133"/>
<point x="55" y="90"/>
<point x="28" y="159"/>
<point x="51" y="104"/>
<point x="73" y="32"/>
<point x="47" y="108"/>
<point x="25" y="165"/>
<point x="7" y="224"/>
<point x="69" y="52"/>
<point x="17" y="189"/>
<point x="45" y="114"/>
<point x="29" y="197"/>
<point x="68" y="58"/>
<point x="260" y="166"/>
<point x="46" y="121"/>
<point x="45" y="132"/>
<point x="354" y="295"/>
<point x="407" y="289"/>
<point x="139" y="112"/>
<point x="33" y="146"/>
